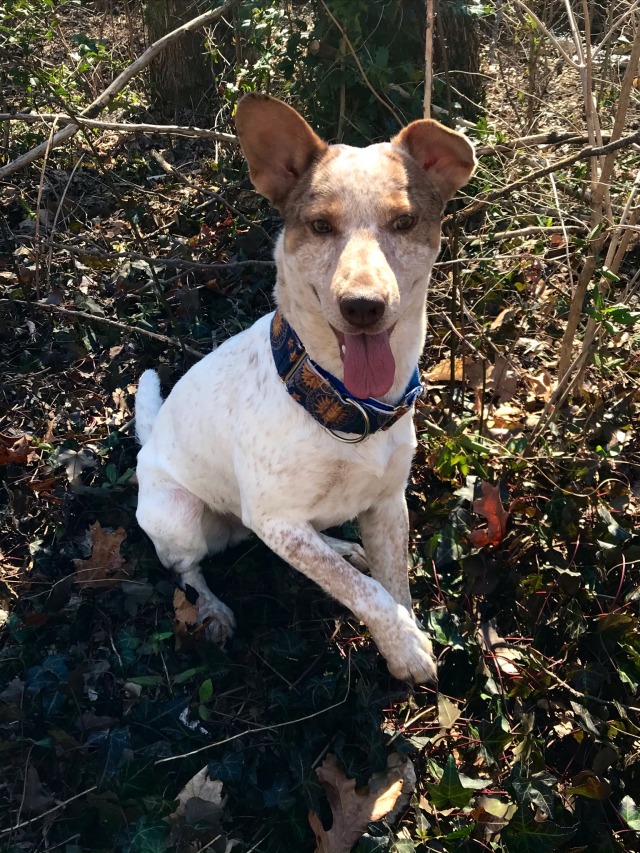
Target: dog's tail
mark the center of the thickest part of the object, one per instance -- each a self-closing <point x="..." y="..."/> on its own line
<point x="148" y="404"/>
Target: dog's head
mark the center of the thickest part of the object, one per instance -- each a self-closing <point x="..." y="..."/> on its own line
<point x="362" y="230"/>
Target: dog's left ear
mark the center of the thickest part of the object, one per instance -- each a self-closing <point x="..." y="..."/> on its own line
<point x="447" y="156"/>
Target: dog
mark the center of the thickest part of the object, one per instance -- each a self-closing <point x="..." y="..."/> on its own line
<point x="304" y="420"/>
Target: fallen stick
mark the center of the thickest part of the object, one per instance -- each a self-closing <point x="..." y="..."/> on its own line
<point x="103" y="100"/>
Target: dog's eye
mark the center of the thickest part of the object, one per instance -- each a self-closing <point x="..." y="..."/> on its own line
<point x="321" y="226"/>
<point x="404" y="222"/>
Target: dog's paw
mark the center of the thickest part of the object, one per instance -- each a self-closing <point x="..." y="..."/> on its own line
<point x="218" y="620"/>
<point x="355" y="555"/>
<point x="411" y="658"/>
<point x="350" y="551"/>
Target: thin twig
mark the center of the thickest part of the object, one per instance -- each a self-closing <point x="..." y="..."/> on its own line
<point x="551" y="137"/>
<point x="529" y="231"/>
<point x="600" y="195"/>
<point x="548" y="34"/>
<point x="60" y="207"/>
<point x="38" y="202"/>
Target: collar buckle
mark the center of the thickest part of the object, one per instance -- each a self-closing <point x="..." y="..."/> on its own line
<point x="365" y="417"/>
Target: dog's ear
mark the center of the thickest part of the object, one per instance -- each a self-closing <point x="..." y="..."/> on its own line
<point x="447" y="156"/>
<point x="278" y="143"/>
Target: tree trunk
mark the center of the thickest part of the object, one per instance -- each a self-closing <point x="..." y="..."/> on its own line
<point x="458" y="39"/>
<point x="181" y="75"/>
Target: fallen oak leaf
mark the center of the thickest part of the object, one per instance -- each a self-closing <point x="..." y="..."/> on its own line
<point x="15" y="450"/>
<point x="352" y="809"/>
<point x="186" y="627"/>
<point x="106" y="566"/>
<point x="489" y="506"/>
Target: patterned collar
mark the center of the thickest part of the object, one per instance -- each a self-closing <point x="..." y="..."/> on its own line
<point x="325" y="397"/>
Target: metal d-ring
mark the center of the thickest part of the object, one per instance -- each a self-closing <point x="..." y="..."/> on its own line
<point x="365" y="418"/>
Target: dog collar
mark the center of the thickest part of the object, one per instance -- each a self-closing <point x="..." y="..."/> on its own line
<point x="325" y="397"/>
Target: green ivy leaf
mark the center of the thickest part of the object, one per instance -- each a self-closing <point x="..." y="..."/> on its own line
<point x="449" y="791"/>
<point x="494" y="739"/>
<point x="536" y="788"/>
<point x="630" y="813"/>
<point x="525" y="834"/>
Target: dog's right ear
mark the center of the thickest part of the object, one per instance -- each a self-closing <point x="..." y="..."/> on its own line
<point x="278" y="143"/>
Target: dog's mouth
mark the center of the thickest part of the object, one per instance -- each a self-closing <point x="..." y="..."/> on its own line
<point x="369" y="365"/>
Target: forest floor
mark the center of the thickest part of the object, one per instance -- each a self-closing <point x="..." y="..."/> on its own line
<point x="526" y="555"/>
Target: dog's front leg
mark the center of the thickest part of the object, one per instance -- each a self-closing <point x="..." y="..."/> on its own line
<point x="406" y="648"/>
<point x="384" y="529"/>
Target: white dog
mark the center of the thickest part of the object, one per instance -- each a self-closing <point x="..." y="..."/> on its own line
<point x="304" y="420"/>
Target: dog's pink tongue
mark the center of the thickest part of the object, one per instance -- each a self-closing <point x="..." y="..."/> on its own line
<point x="369" y="366"/>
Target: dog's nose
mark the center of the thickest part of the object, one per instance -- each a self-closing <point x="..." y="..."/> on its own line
<point x="362" y="311"/>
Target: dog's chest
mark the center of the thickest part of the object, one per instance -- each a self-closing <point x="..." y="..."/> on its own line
<point x="316" y="478"/>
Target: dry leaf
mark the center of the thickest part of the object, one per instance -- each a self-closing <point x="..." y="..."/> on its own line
<point x="489" y="507"/>
<point x="352" y="809"/>
<point x="14" y="450"/>
<point x="448" y="712"/>
<point x="540" y="386"/>
<point x="492" y="814"/>
<point x="441" y="372"/>
<point x="506" y="417"/>
<point x="395" y="761"/>
<point x="495" y="645"/>
<point x="204" y="789"/>
<point x="588" y="785"/>
<point x="185" y="621"/>
<point x="505" y="316"/>
<point x="106" y="567"/>
<point x="200" y="805"/>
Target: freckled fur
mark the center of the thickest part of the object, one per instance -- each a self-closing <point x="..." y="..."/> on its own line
<point x="230" y="451"/>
